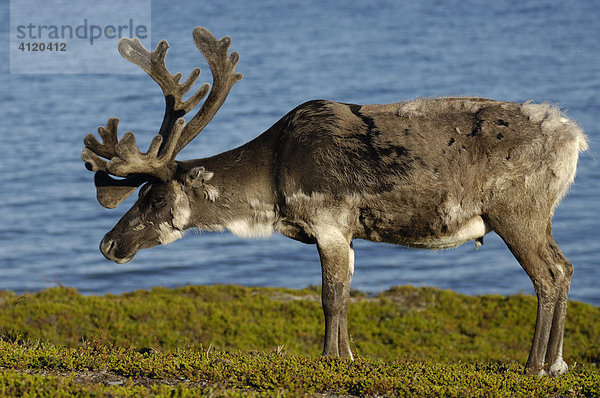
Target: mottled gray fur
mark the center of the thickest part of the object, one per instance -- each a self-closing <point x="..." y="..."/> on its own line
<point x="430" y="173"/>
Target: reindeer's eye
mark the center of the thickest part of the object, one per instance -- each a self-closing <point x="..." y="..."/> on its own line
<point x="158" y="202"/>
<point x="137" y="224"/>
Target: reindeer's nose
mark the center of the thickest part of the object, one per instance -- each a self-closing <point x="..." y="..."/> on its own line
<point x="108" y="247"/>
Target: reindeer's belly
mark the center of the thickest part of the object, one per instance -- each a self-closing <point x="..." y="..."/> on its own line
<point x="473" y="229"/>
<point x="420" y="234"/>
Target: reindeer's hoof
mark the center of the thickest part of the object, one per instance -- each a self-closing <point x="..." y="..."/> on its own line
<point x="535" y="371"/>
<point x="542" y="373"/>
<point x="559" y="367"/>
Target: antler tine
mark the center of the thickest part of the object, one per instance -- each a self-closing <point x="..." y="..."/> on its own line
<point x="109" y="191"/>
<point x="94" y="149"/>
<point x="222" y="66"/>
<point x="153" y="63"/>
<point x="130" y="160"/>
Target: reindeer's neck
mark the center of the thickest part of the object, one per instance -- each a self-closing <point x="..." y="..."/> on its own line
<point x="244" y="178"/>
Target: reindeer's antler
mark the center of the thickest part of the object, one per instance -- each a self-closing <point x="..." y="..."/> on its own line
<point x="124" y="157"/>
<point x="222" y="67"/>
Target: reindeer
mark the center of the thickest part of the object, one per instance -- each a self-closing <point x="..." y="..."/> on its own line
<point x="429" y="173"/>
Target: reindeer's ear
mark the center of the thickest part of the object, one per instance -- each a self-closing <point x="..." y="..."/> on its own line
<point x="197" y="177"/>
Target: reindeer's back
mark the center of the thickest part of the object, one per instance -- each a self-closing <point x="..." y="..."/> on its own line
<point x="340" y="148"/>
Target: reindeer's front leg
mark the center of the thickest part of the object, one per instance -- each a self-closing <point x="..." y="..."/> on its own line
<point x="337" y="266"/>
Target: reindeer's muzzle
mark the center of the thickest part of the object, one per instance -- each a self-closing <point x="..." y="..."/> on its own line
<point x="110" y="249"/>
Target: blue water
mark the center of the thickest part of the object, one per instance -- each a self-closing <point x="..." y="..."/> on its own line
<point x="366" y="52"/>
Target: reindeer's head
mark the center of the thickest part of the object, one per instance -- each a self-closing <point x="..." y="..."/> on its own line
<point x="163" y="209"/>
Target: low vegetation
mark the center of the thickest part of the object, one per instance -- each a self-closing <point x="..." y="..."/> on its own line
<point x="233" y="340"/>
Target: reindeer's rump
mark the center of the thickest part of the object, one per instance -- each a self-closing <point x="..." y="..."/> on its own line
<point x="427" y="165"/>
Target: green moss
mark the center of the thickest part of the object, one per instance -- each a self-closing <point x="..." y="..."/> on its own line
<point x="232" y="340"/>
<point x="236" y="372"/>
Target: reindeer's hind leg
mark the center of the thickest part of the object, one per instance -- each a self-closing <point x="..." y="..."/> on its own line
<point x="532" y="244"/>
<point x="555" y="345"/>
<point x="337" y="265"/>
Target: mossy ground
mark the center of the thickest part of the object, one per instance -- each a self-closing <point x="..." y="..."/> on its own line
<point x="232" y="340"/>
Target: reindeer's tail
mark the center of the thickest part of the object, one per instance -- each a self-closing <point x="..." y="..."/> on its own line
<point x="563" y="141"/>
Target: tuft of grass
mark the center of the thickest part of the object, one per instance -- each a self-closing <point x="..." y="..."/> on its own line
<point x="228" y="340"/>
